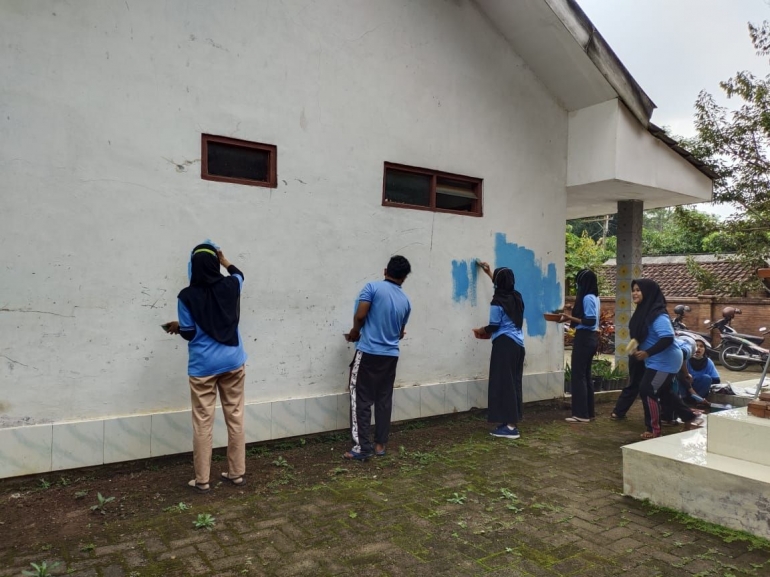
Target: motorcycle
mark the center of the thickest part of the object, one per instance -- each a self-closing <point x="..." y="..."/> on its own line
<point x="739" y="351"/>
<point x="722" y="325"/>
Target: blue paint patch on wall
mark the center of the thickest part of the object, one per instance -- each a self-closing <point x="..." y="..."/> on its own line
<point x="541" y="291"/>
<point x="464" y="277"/>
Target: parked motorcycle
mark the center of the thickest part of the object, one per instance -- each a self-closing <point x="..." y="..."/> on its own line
<point x="739" y="350"/>
<point x="723" y="326"/>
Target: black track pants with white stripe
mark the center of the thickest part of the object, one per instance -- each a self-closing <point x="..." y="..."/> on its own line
<point x="371" y="383"/>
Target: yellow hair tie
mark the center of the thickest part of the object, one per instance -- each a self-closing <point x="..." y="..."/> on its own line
<point x="204" y="250"/>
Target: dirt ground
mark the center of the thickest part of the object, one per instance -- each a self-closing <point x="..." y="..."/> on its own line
<point x="447" y="499"/>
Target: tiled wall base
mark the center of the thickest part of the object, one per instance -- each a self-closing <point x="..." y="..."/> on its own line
<point x="676" y="471"/>
<point x="67" y="445"/>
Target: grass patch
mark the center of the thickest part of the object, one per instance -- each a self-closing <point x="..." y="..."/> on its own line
<point x="724" y="533"/>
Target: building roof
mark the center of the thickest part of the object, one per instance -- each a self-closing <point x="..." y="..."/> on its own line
<point x="569" y="55"/>
<point x="670" y="272"/>
<point x="661" y="135"/>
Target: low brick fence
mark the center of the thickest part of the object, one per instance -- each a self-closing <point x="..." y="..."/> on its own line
<point x="755" y="312"/>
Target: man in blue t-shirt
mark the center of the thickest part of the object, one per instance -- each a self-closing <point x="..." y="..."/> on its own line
<point x="382" y="311"/>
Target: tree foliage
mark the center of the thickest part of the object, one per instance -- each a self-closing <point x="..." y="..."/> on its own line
<point x="734" y="143"/>
<point x="664" y="233"/>
<point x="583" y="252"/>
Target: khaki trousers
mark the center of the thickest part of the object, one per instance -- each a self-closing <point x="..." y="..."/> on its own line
<point x="203" y="394"/>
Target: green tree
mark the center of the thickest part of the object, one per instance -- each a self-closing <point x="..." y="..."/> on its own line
<point x="583" y="252"/>
<point x="734" y="143"/>
<point x="663" y="232"/>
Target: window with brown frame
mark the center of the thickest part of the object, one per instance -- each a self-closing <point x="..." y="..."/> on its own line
<point x="238" y="161"/>
<point x="424" y="189"/>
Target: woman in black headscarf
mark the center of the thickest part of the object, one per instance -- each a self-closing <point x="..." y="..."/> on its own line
<point x="585" y="321"/>
<point x="650" y="326"/>
<point x="209" y="312"/>
<point x="506" y="365"/>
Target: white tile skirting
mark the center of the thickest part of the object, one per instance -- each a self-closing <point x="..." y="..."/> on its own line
<point x="34" y="449"/>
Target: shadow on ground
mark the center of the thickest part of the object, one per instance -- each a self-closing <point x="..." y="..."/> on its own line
<point x="448" y="499"/>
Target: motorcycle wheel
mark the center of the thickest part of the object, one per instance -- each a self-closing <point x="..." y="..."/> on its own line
<point x="732" y="364"/>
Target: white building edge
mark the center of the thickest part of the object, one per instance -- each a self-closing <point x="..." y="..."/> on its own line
<point x="102" y="108"/>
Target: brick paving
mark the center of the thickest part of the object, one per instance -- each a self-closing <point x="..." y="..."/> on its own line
<point x="547" y="505"/>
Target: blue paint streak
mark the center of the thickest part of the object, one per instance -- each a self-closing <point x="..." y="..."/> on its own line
<point x="460" y="280"/>
<point x="541" y="291"/>
<point x="465" y="275"/>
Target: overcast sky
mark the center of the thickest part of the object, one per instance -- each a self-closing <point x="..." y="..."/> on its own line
<point x="676" y="48"/>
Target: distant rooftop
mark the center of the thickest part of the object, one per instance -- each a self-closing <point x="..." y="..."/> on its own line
<point x="671" y="273"/>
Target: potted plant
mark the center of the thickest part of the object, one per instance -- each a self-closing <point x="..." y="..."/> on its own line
<point x="600" y="372"/>
<point x="618" y="379"/>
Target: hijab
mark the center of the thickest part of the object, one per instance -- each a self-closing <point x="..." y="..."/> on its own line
<point x="212" y="298"/>
<point x="507" y="297"/>
<point x="700" y="364"/>
<point x="587" y="284"/>
<point x="652" y="306"/>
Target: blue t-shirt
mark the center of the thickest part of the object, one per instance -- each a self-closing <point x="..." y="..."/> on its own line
<point x="708" y="370"/>
<point x="207" y="356"/>
<point x="591" y="307"/>
<point x="387" y="317"/>
<point x="670" y="359"/>
<point x="506" y="326"/>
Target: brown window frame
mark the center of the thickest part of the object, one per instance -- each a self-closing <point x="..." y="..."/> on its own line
<point x="272" y="162"/>
<point x="435" y="175"/>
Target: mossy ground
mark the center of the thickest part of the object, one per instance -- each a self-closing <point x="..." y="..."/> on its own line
<point x="448" y="499"/>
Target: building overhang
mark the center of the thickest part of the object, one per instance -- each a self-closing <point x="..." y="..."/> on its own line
<point x="612" y="157"/>
<point x="615" y="152"/>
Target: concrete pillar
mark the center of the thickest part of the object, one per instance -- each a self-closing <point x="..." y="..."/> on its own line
<point x="629" y="267"/>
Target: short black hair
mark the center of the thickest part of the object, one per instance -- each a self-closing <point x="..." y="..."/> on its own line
<point x="398" y="267"/>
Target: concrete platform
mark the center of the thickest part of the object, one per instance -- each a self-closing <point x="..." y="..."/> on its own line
<point x="678" y="471"/>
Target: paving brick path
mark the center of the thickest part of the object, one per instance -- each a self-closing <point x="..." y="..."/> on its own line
<point x="547" y="505"/>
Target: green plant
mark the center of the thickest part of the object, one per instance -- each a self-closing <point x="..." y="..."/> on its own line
<point x="257" y="451"/>
<point x="204" y="521"/>
<point x="41" y="570"/>
<point x="102" y="502"/>
<point x="281" y="462"/>
<point x="88" y="548"/>
<point x="45" y="484"/>
<point x="80" y="494"/>
<point x="177" y="508"/>
<point x="64" y="481"/>
<point x="457" y="499"/>
<point x="601" y="368"/>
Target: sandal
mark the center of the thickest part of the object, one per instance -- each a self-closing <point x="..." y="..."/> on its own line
<point x="356" y="456"/>
<point x="577" y="420"/>
<point x="648" y="435"/>
<point x="238" y="481"/>
<point x="199" y="487"/>
<point x="616" y="417"/>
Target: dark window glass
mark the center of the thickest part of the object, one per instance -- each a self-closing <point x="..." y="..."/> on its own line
<point x="456" y="195"/>
<point x="232" y="161"/>
<point x="407" y="188"/>
<point x="426" y="189"/>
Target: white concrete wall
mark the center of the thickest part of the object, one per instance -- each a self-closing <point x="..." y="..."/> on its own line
<point x="608" y="145"/>
<point x="642" y="158"/>
<point x="592" y="143"/>
<point x="102" y="104"/>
